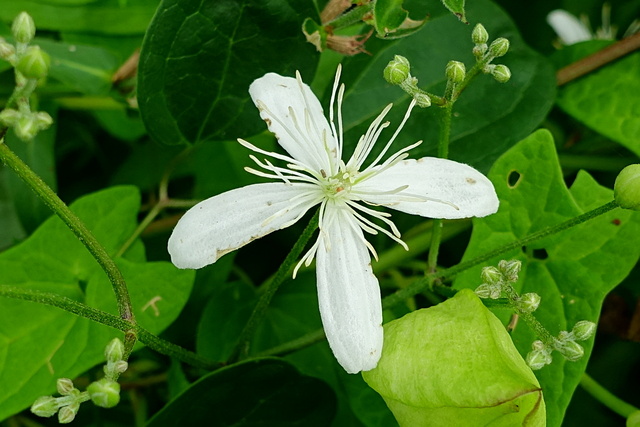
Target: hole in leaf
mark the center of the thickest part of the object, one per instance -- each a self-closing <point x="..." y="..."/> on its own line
<point x="536" y="253"/>
<point x="513" y="179"/>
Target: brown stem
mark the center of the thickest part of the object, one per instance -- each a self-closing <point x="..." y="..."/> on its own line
<point x="598" y="59"/>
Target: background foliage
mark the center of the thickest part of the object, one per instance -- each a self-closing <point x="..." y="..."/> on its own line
<point x="113" y="144"/>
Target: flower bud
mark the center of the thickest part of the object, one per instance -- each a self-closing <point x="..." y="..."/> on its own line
<point x="42" y="119"/>
<point x="34" y="64"/>
<point x="483" y="291"/>
<point x="65" y="386"/>
<point x="479" y="34"/>
<point x="529" y="302"/>
<point x="422" y="99"/>
<point x="491" y="275"/>
<point x="633" y="420"/>
<point x="538" y="359"/>
<point x="571" y="350"/>
<point x="68" y="413"/>
<point x="9" y="117"/>
<point x="626" y="190"/>
<point x="479" y="50"/>
<point x="397" y="71"/>
<point x="510" y="269"/>
<point x="45" y="406"/>
<point x="120" y="366"/>
<point x="501" y="73"/>
<point x="455" y="71"/>
<point x="104" y="393"/>
<point x="499" y="47"/>
<point x="583" y="330"/>
<point x="26" y="128"/>
<point x="23" y="28"/>
<point x="114" y="351"/>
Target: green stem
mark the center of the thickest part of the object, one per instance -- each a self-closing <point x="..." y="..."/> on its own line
<point x="108" y="319"/>
<point x="241" y="349"/>
<point x="294" y="345"/>
<point x="425" y="283"/>
<point x="75" y="224"/>
<point x="607" y="398"/>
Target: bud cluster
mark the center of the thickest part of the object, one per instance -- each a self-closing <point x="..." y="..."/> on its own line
<point x="104" y="392"/>
<point x="565" y="344"/>
<point x="31" y="66"/>
<point x="397" y="72"/>
<point x="485" y="54"/>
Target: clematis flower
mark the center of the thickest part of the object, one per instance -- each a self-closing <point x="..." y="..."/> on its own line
<point x="313" y="173"/>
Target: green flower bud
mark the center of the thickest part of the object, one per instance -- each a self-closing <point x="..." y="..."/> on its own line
<point x="491" y="275"/>
<point x="571" y="350"/>
<point x="479" y="50"/>
<point x="397" y="71"/>
<point x="23" y="28"/>
<point x="422" y="99"/>
<point x="455" y="71"/>
<point x="529" y="302"/>
<point x="479" y="34"/>
<point x="114" y="351"/>
<point x="65" y="386"/>
<point x="455" y="363"/>
<point x="510" y="269"/>
<point x="9" y="117"/>
<point x="633" y="420"/>
<point x="583" y="330"/>
<point x="626" y="190"/>
<point x="538" y="359"/>
<point x="26" y="128"/>
<point x="45" y="406"/>
<point x="34" y="64"/>
<point x="68" y="413"/>
<point x="483" y="291"/>
<point x="499" y="47"/>
<point x="43" y="120"/>
<point x="501" y="73"/>
<point x="104" y="393"/>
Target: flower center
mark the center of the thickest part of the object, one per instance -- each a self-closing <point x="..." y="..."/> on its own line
<point x="339" y="185"/>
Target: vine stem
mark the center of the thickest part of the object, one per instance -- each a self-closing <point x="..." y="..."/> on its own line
<point x="108" y="319"/>
<point x="241" y="349"/>
<point x="607" y="398"/>
<point x="74" y="223"/>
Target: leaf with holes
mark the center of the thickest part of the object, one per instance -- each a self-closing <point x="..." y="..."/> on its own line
<point x="479" y="135"/>
<point x="38" y="343"/>
<point x="573" y="270"/>
<point x="601" y="99"/>
<point x="199" y="58"/>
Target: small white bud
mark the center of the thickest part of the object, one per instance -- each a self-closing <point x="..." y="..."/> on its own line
<point x="45" y="406"/>
<point x="65" y="386"/>
<point x="583" y="330"/>
<point x="23" y="28"/>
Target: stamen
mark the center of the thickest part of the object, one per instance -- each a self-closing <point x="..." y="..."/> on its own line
<point x="404" y="120"/>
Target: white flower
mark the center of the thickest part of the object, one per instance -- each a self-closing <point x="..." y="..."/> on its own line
<point x="569" y="28"/>
<point x="314" y="174"/>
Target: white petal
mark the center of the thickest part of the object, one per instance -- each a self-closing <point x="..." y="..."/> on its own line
<point x="466" y="191"/>
<point x="568" y="27"/>
<point x="228" y="221"/>
<point x="348" y="293"/>
<point x="306" y="135"/>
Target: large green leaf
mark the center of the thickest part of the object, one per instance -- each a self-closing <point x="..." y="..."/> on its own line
<point x="601" y="100"/>
<point x="39" y="344"/>
<point x="571" y="271"/>
<point x="267" y="392"/>
<point x="199" y="58"/>
<point x="488" y="118"/>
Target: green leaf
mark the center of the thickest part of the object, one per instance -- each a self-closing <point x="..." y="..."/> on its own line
<point x="256" y="392"/>
<point x="488" y="118"/>
<point x="457" y="8"/>
<point x="104" y="16"/>
<point x="199" y="58"/>
<point x="39" y="344"/>
<point x="573" y="270"/>
<point x="86" y="69"/>
<point x="601" y="99"/>
<point x="455" y="364"/>
<point x="388" y="15"/>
